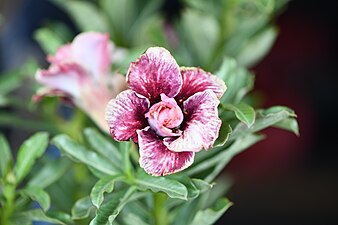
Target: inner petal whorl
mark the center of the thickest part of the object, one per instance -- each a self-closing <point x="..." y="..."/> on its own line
<point x="165" y="117"/>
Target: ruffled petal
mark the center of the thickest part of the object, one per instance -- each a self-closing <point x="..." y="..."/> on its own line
<point x="201" y="125"/>
<point x="92" y="51"/>
<point x="154" y="73"/>
<point x="125" y="115"/>
<point x="197" y="80"/>
<point x="67" y="78"/>
<point x="156" y="159"/>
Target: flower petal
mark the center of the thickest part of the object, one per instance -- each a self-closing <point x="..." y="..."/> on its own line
<point x="92" y="51"/>
<point x="154" y="73"/>
<point x="201" y="125"/>
<point x="66" y="78"/>
<point x="156" y="159"/>
<point x="197" y="80"/>
<point x="125" y="115"/>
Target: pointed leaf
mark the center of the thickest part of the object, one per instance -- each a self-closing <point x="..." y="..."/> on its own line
<point x="172" y="188"/>
<point x="37" y="194"/>
<point x="84" y="155"/>
<point x="224" y="134"/>
<point x="110" y="209"/>
<point x="33" y="215"/>
<point x="82" y="208"/>
<point x="103" y="146"/>
<point x="289" y="124"/>
<point x="105" y="184"/>
<point x="244" y="112"/>
<point x="5" y="156"/>
<point x="211" y="215"/>
<point x="50" y="173"/>
<point x="264" y="119"/>
<point x="29" y="151"/>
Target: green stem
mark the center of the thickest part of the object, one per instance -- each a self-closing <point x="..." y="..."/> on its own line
<point x="160" y="211"/>
<point x="9" y="193"/>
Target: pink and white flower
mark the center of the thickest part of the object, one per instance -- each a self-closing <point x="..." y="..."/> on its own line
<point x="171" y="112"/>
<point x="80" y="71"/>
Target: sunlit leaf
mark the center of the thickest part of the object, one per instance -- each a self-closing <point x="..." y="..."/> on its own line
<point x="82" y="208"/>
<point x="6" y="156"/>
<point x="110" y="209"/>
<point x="29" y="151"/>
<point x="171" y="187"/>
<point x="84" y="155"/>
<point x="244" y="112"/>
<point x="211" y="215"/>
<point x="37" y="194"/>
<point x="105" y="184"/>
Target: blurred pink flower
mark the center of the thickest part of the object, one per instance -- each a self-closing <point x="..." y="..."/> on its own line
<point x="170" y="112"/>
<point x="81" y="72"/>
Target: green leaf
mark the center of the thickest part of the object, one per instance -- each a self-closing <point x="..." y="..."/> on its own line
<point x="238" y="80"/>
<point x="6" y="156"/>
<point x="257" y="47"/>
<point x="211" y="215"/>
<point x="264" y="119"/>
<point x="33" y="215"/>
<point x="110" y="209"/>
<point x="100" y="144"/>
<point x="243" y="112"/>
<point x="37" y="194"/>
<point x="224" y="134"/>
<point x="85" y="14"/>
<point x="50" y="173"/>
<point x="29" y="151"/>
<point x="82" y="208"/>
<point x="289" y="124"/>
<point x="84" y="155"/>
<point x="105" y="184"/>
<point x="172" y="188"/>
<point x="132" y="219"/>
<point x="48" y="40"/>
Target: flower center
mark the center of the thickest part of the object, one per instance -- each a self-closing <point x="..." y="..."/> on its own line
<point x="165" y="117"/>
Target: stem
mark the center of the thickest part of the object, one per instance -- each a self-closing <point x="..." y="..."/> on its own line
<point x="160" y="211"/>
<point x="9" y="193"/>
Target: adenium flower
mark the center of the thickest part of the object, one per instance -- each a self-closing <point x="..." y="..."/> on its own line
<point x="171" y="112"/>
<point x="80" y="71"/>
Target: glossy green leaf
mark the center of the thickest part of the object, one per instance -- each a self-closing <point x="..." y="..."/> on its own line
<point x="239" y="81"/>
<point x="211" y="215"/>
<point x="171" y="187"/>
<point x="110" y="209"/>
<point x="85" y="14"/>
<point x="82" y="208"/>
<point x="6" y="156"/>
<point x="103" y="146"/>
<point x="29" y="151"/>
<point x="50" y="173"/>
<point x="33" y="215"/>
<point x="37" y="194"/>
<point x="84" y="155"/>
<point x="243" y="112"/>
<point x="264" y="119"/>
<point x="105" y="184"/>
<point x="224" y="134"/>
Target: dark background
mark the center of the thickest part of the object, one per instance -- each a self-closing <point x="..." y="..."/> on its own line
<point x="284" y="179"/>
